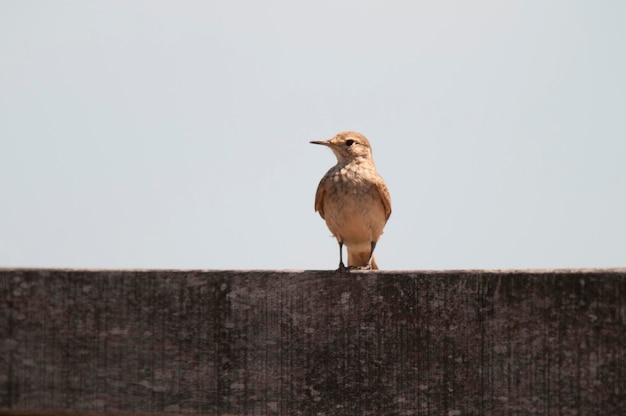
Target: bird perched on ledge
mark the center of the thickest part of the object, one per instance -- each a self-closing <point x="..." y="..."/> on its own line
<point x="353" y="200"/>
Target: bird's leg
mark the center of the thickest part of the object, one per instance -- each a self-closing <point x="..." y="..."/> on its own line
<point x="342" y="267"/>
<point x="369" y="261"/>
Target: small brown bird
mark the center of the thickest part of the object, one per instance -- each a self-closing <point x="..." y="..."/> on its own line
<point x="353" y="199"/>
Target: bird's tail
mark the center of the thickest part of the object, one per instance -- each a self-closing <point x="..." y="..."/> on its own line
<point x="360" y="259"/>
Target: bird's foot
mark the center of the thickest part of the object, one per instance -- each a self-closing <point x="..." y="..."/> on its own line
<point x="366" y="267"/>
<point x="344" y="269"/>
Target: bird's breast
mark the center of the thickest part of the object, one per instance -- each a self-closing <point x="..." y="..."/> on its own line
<point x="353" y="209"/>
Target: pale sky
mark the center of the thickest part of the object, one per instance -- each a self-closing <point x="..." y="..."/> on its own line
<point x="175" y="134"/>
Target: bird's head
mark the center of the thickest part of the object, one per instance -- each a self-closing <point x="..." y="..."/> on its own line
<point x="348" y="146"/>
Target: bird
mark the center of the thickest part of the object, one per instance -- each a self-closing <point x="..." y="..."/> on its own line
<point x="353" y="200"/>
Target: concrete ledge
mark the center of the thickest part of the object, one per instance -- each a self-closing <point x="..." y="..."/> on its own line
<point x="313" y="342"/>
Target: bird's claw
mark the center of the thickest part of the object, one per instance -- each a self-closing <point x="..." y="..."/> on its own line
<point x="366" y="267"/>
<point x="344" y="269"/>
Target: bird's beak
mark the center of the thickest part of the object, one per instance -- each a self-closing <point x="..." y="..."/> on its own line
<point x="322" y="142"/>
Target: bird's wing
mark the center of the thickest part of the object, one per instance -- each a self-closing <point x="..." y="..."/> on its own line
<point x="319" y="199"/>
<point x="385" y="197"/>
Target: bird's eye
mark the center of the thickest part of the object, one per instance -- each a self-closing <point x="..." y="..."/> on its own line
<point x="349" y="143"/>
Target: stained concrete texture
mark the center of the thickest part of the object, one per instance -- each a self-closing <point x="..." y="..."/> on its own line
<point x="314" y="342"/>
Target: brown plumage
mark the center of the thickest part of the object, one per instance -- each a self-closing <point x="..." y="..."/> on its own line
<point x="353" y="199"/>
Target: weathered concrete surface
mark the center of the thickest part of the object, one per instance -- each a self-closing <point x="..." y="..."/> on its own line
<point x="314" y="343"/>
